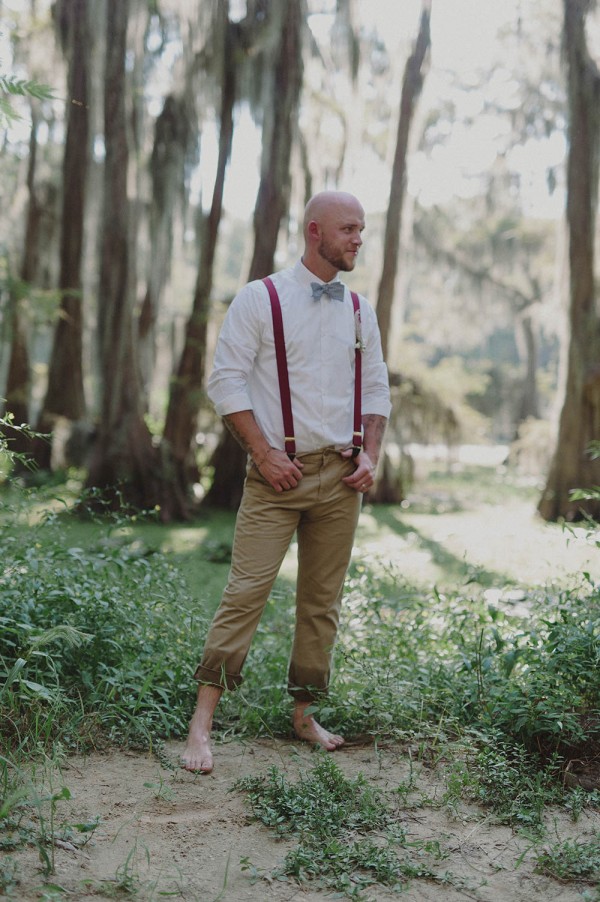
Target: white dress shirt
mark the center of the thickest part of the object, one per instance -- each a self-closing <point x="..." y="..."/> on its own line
<point x="320" y="339"/>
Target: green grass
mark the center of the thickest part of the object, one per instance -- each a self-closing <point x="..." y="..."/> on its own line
<point x="348" y="836"/>
<point x="102" y="624"/>
<point x="571" y="860"/>
<point x="455" y="488"/>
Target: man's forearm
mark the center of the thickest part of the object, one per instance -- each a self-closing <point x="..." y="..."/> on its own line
<point x="274" y="465"/>
<point x="374" y="430"/>
<point x="247" y="433"/>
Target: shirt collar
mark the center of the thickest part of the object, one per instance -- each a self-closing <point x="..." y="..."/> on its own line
<point x="304" y="276"/>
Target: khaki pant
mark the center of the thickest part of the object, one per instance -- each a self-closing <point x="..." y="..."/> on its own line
<point x="324" y="513"/>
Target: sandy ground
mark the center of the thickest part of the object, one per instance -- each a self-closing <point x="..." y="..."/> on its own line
<point x="508" y="540"/>
<point x="163" y="831"/>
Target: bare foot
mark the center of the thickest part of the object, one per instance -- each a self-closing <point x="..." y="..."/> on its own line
<point x="197" y="755"/>
<point x="307" y="729"/>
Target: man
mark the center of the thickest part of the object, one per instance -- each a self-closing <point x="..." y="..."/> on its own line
<point x="316" y="489"/>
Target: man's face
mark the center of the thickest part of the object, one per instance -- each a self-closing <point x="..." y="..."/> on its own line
<point x="341" y="237"/>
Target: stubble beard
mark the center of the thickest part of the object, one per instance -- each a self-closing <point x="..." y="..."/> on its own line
<point x="333" y="256"/>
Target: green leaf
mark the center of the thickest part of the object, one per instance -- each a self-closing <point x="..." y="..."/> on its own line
<point x="25" y="88"/>
<point x="6" y="111"/>
<point x="37" y="689"/>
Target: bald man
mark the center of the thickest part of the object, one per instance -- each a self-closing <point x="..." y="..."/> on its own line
<point x="312" y="487"/>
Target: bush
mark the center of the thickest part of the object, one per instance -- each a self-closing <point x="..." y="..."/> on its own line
<point x="96" y="643"/>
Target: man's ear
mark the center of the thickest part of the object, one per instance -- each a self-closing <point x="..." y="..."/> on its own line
<point x="313" y="229"/>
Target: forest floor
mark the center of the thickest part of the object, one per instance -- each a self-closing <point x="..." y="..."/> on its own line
<point x="164" y="832"/>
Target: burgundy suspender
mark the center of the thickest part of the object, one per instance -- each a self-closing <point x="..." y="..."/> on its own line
<point x="282" y="371"/>
<point x="282" y="374"/>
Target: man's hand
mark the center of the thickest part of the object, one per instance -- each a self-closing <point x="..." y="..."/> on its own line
<point x="275" y="466"/>
<point x="364" y="476"/>
<point x="366" y="461"/>
<point x="281" y="473"/>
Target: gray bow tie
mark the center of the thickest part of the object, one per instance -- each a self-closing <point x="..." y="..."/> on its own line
<point x="335" y="290"/>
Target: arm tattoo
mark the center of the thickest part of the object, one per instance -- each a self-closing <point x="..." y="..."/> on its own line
<point x="236" y="434"/>
<point x="375" y="425"/>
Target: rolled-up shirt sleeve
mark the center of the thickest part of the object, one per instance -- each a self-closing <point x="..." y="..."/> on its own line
<point x="228" y="383"/>
<point x="375" y="381"/>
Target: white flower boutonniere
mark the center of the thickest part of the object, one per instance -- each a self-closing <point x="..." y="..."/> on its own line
<point x="359" y="344"/>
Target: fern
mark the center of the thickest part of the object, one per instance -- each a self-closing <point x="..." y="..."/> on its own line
<point x="6" y="111"/>
<point x="24" y="87"/>
<point x="11" y="86"/>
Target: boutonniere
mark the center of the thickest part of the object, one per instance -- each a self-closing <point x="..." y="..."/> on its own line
<point x="359" y="344"/>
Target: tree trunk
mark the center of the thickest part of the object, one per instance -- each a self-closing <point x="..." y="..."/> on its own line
<point x="528" y="406"/>
<point x="412" y="84"/>
<point x="572" y="466"/>
<point x="125" y="467"/>
<point x="18" y="379"/>
<point x="167" y="171"/>
<point x="186" y="387"/>
<point x="65" y="393"/>
<point x="389" y="487"/>
<point x="279" y="129"/>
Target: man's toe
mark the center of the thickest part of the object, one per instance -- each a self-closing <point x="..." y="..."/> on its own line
<point x="197" y="765"/>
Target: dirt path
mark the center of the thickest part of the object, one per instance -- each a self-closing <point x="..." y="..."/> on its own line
<point x="162" y="830"/>
<point x="508" y="539"/>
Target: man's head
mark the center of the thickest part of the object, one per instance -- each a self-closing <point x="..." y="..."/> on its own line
<point x="333" y="223"/>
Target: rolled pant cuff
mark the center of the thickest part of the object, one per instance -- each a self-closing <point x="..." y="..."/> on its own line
<point x="218" y="678"/>
<point x="304" y="694"/>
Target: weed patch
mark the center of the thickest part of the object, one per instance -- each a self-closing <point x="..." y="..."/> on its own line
<point x="506" y="779"/>
<point x="348" y="835"/>
<point x="571" y="860"/>
<point x="96" y="645"/>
